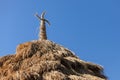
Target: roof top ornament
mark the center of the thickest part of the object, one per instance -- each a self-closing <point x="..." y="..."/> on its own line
<point x="42" y="34"/>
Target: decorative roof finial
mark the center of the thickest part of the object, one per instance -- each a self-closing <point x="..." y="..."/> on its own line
<point x="42" y="34"/>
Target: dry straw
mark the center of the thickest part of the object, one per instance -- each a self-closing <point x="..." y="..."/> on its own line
<point x="45" y="60"/>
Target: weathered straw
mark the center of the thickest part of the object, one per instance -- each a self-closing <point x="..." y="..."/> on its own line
<point x="46" y="60"/>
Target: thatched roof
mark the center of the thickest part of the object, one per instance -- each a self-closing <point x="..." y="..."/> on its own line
<point x="46" y="60"/>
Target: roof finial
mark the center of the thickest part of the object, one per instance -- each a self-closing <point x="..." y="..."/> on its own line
<point x="42" y="34"/>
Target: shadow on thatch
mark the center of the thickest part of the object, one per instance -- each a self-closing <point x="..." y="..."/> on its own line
<point x="45" y="60"/>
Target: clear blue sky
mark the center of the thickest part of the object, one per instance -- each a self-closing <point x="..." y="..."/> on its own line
<point x="90" y="28"/>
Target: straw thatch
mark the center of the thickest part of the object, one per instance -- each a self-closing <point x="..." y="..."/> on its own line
<point x="45" y="60"/>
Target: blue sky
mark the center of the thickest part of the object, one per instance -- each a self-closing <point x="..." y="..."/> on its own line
<point x="90" y="28"/>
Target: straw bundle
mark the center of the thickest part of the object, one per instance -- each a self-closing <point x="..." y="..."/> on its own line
<point x="46" y="60"/>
